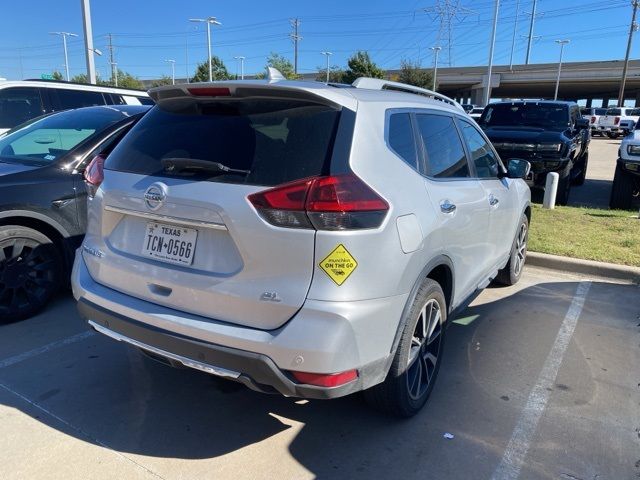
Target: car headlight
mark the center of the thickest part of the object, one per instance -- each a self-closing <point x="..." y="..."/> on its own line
<point x="549" y="147"/>
<point x="552" y="164"/>
<point x="633" y="149"/>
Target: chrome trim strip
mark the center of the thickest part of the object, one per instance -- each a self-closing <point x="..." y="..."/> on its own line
<point x="187" y="362"/>
<point x="166" y="218"/>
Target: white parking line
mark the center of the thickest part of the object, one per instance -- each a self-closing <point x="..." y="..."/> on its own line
<point x="21" y="357"/>
<point x="516" y="451"/>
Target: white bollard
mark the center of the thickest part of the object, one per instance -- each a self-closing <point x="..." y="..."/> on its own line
<point x="550" y="190"/>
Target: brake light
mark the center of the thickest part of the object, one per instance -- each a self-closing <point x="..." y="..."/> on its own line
<point x="94" y="174"/>
<point x="325" y="380"/>
<point x="209" y="91"/>
<point x="616" y="121"/>
<point x="593" y="119"/>
<point x="337" y="202"/>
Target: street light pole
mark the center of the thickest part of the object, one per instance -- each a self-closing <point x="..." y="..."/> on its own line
<point x="487" y="93"/>
<point x="562" y="43"/>
<point x="533" y="18"/>
<point x="632" y="29"/>
<point x="173" y="70"/>
<point x="114" y="71"/>
<point x="209" y="21"/>
<point x="88" y="41"/>
<point x="436" y="51"/>
<point x="240" y="59"/>
<point x="327" y="54"/>
<point x="64" y="36"/>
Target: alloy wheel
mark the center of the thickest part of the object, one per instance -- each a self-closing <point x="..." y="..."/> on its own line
<point x="425" y="350"/>
<point x="521" y="249"/>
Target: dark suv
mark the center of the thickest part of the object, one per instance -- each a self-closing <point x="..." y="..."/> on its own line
<point x="551" y="135"/>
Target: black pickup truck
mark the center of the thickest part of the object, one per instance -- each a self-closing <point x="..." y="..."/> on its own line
<point x="551" y="135"/>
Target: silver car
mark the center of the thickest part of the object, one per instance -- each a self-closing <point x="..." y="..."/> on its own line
<point x="300" y="238"/>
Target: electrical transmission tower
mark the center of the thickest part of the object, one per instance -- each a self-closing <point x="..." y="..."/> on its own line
<point x="448" y="13"/>
<point x="295" y="23"/>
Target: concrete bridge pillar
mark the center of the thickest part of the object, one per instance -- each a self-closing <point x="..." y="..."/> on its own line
<point x="589" y="102"/>
<point x="605" y="102"/>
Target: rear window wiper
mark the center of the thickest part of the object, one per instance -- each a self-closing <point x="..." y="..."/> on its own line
<point x="195" y="165"/>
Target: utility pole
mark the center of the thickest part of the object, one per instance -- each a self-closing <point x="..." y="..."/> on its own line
<point x="240" y="60"/>
<point x="173" y="70"/>
<point x="295" y="23"/>
<point x="487" y="93"/>
<point x="64" y="36"/>
<point x="112" y="62"/>
<point x="327" y="54"/>
<point x="632" y="29"/>
<point x="447" y="12"/>
<point x="209" y="21"/>
<point x="515" y="30"/>
<point x="533" y="18"/>
<point x="562" y="43"/>
<point x="436" y="51"/>
<point x="88" y="41"/>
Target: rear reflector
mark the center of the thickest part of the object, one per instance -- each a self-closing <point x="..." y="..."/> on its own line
<point x="325" y="379"/>
<point x="337" y="202"/>
<point x="209" y="91"/>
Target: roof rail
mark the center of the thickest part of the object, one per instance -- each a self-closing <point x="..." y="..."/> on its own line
<point x="65" y="82"/>
<point x="380" y="84"/>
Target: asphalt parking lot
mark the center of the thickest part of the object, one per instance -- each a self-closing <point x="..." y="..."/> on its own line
<point x="540" y="380"/>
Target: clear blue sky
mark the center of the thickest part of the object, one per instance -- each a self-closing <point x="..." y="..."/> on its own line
<point x="146" y="33"/>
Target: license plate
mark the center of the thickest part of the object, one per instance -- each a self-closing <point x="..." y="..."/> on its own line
<point x="169" y="243"/>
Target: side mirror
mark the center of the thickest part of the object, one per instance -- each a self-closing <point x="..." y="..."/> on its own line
<point x="518" y="168"/>
<point x="582" y="124"/>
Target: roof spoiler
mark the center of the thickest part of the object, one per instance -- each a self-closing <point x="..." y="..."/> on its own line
<point x="380" y="84"/>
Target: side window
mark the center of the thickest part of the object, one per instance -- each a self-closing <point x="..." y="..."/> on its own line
<point x="78" y="98"/>
<point x="486" y="163"/>
<point x="443" y="150"/>
<point x="19" y="104"/>
<point x="401" y="138"/>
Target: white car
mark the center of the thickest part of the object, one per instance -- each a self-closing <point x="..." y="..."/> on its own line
<point x="476" y="113"/>
<point x="593" y="114"/>
<point x="26" y="99"/>
<point x="298" y="237"/>
<point x="618" y="121"/>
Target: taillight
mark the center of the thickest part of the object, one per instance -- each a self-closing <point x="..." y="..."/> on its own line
<point x="337" y="202"/>
<point x="94" y="174"/>
<point x="616" y="121"/>
<point x="209" y="91"/>
<point x="593" y="119"/>
<point x="325" y="380"/>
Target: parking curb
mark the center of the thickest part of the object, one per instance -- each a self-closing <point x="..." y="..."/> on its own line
<point x="588" y="267"/>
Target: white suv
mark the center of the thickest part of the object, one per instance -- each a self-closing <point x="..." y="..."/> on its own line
<point x="300" y="238"/>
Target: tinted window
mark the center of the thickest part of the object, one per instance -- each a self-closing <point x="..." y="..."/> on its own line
<point x="146" y="101"/>
<point x="401" y="138"/>
<point x="538" y="115"/>
<point x="276" y="140"/>
<point x="486" y="163"/>
<point x="49" y="138"/>
<point x="444" y="154"/>
<point x="78" y="98"/>
<point x="19" y="104"/>
<point x="614" y="111"/>
<point x="600" y="111"/>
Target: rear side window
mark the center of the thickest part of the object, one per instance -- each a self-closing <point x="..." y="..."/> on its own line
<point x="443" y="151"/>
<point x="78" y="98"/>
<point x="19" y="104"/>
<point x="486" y="163"/>
<point x="275" y="141"/>
<point x="400" y="137"/>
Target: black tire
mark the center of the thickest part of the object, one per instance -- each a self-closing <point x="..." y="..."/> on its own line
<point x="406" y="388"/>
<point x="613" y="135"/>
<point x="579" y="180"/>
<point x="511" y="273"/>
<point x="621" y="190"/>
<point x="30" y="272"/>
<point x="564" y="189"/>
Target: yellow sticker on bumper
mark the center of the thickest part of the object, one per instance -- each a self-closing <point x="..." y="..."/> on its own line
<point x="339" y="264"/>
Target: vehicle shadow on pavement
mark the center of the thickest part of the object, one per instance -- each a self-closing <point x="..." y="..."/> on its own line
<point x="106" y="393"/>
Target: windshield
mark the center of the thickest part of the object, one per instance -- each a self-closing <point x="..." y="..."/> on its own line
<point x="539" y="115"/>
<point x="43" y="141"/>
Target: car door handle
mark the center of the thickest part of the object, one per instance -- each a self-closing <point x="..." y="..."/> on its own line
<point x="447" y="207"/>
<point x="493" y="201"/>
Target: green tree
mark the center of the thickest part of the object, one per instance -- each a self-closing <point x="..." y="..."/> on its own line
<point x="412" y="74"/>
<point x="164" y="80"/>
<point x="218" y="71"/>
<point x="336" y="74"/>
<point x="126" y="80"/>
<point x="361" y="65"/>
<point x="57" y="75"/>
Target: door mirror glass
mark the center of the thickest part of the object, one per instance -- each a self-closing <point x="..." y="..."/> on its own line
<point x="518" y="168"/>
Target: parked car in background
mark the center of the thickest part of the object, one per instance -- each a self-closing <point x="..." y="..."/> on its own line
<point x="618" y="121"/>
<point x="476" y="113"/>
<point x="467" y="107"/>
<point x="626" y="181"/>
<point x="552" y="135"/>
<point x="593" y="115"/>
<point x="23" y="100"/>
<point x="263" y="236"/>
<point x="43" y="199"/>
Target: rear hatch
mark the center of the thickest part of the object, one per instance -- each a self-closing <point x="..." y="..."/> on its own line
<point x="611" y="118"/>
<point x="177" y="228"/>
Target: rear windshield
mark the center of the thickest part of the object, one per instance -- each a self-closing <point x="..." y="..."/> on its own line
<point x="614" y="111"/>
<point x="269" y="141"/>
<point x="600" y="111"/>
<point x="539" y="115"/>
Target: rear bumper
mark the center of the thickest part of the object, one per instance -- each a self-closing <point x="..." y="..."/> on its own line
<point x="323" y="337"/>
